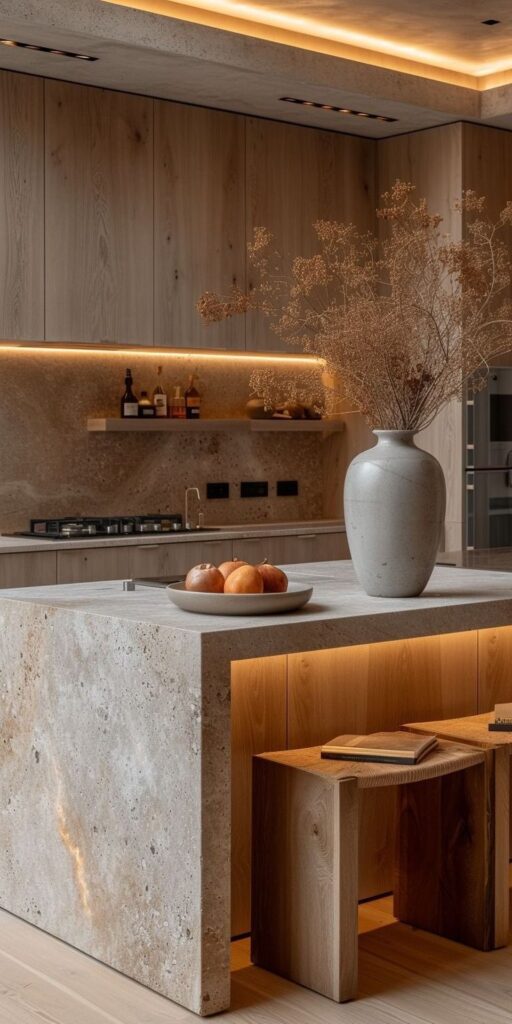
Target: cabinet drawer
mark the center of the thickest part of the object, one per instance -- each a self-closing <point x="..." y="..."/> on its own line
<point x="294" y="549"/>
<point x="28" y="569"/>
<point x="89" y="564"/>
<point x="176" y="558"/>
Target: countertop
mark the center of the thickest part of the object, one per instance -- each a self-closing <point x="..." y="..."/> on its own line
<point x="339" y="614"/>
<point x="17" y="545"/>
<point x="493" y="559"/>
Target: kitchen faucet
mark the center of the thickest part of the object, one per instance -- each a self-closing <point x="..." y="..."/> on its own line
<point x="188" y="492"/>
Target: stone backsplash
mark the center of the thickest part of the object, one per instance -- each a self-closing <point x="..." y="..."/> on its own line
<point x="52" y="466"/>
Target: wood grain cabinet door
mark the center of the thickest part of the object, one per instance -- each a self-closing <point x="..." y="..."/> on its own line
<point x="99" y="215"/>
<point x="30" y="569"/>
<point x="199" y="222"/>
<point x="21" y="207"/>
<point x="296" y="176"/>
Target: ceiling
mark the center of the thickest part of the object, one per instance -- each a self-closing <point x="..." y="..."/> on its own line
<point x="446" y="31"/>
<point x="176" y="50"/>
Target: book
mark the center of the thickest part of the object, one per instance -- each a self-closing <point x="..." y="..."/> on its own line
<point x="502" y="718"/>
<point x="386" y="747"/>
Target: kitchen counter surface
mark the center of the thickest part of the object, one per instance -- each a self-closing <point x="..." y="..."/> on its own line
<point x="491" y="559"/>
<point x="116" y="767"/>
<point x="17" y="545"/>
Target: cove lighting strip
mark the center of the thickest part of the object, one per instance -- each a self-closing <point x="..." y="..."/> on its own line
<point x="51" y="349"/>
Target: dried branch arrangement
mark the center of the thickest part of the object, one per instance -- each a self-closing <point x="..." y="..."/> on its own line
<point x="400" y="324"/>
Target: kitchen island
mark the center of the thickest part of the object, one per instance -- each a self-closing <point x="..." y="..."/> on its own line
<point x="116" y="718"/>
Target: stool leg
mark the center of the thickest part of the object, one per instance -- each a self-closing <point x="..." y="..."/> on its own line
<point x="451" y="860"/>
<point x="305" y="878"/>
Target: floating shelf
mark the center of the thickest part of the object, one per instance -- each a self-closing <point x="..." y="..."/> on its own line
<point x="113" y="425"/>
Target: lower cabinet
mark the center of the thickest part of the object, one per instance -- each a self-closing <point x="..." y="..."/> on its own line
<point x="87" y="564"/>
<point x="30" y="569"/>
<point x="170" y="559"/>
<point x="294" y="549"/>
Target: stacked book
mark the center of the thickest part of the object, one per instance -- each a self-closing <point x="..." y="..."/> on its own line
<point x="386" y="747"/>
<point x="502" y="718"/>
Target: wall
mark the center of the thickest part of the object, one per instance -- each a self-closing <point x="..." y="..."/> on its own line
<point x="52" y="466"/>
<point x="432" y="160"/>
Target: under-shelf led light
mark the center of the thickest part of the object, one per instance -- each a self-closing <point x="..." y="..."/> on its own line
<point x="52" y="348"/>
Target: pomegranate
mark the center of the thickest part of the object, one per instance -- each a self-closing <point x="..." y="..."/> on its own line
<point x="275" y="581"/>
<point x="228" y="567"/>
<point x="245" y="580"/>
<point x="205" y="578"/>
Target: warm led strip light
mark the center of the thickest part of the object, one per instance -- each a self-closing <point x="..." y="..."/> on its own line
<point x="50" y="348"/>
<point x="271" y="23"/>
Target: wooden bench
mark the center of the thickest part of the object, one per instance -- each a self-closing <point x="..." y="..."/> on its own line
<point x="305" y="858"/>
<point x="473" y="730"/>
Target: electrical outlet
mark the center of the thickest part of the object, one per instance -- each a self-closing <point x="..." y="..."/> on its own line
<point x="287" y="488"/>
<point x="254" y="489"/>
<point x="217" y="491"/>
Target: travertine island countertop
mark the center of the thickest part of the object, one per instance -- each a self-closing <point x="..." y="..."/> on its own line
<point x="115" y="717"/>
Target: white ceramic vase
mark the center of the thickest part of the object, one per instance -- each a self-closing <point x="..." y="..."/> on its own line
<point x="395" y="500"/>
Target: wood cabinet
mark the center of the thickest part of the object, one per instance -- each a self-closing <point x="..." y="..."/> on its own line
<point x="168" y="559"/>
<point x="21" y="207"/>
<point x="84" y="565"/>
<point x="98" y="215"/>
<point x="294" y="178"/>
<point x="293" y="549"/>
<point x="30" y="569"/>
<point x="199" y="221"/>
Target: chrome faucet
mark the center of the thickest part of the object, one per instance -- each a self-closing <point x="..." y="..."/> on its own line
<point x="188" y="492"/>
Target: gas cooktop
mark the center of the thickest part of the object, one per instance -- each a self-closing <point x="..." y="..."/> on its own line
<point x="87" y="528"/>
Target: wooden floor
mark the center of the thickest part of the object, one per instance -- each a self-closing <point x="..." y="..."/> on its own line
<point x="406" y="977"/>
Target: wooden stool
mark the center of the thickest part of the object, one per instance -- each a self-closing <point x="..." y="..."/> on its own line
<point x="305" y="858"/>
<point x="474" y="730"/>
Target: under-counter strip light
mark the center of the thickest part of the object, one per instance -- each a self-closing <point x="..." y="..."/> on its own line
<point x="337" y="110"/>
<point x="50" y="348"/>
<point x="46" y="49"/>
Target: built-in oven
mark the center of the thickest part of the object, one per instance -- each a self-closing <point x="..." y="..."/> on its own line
<point x="488" y="473"/>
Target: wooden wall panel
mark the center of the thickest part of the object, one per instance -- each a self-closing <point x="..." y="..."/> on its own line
<point x="295" y="177"/>
<point x="21" y="207"/>
<point x="199" y="221"/>
<point x="375" y="687"/>
<point x="432" y="160"/>
<point x="258" y="724"/>
<point x="494" y="667"/>
<point x="99" y="215"/>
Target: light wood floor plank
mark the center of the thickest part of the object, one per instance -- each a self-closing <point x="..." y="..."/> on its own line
<point x="406" y="977"/>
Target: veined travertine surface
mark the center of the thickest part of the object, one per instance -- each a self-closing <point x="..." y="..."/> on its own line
<point x="103" y="745"/>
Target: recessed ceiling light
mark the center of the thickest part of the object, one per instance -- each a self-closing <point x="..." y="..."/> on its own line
<point x="336" y="110"/>
<point x="46" y="49"/>
<point x="491" y="21"/>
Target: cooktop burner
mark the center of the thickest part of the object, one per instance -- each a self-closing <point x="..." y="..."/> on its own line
<point x="87" y="528"/>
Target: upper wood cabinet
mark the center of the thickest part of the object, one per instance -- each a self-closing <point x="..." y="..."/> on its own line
<point x="199" y="221"/>
<point x="296" y="176"/>
<point x="21" y="207"/>
<point x="99" y="215"/>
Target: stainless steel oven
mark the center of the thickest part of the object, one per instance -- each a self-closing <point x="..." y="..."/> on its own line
<point x="488" y="475"/>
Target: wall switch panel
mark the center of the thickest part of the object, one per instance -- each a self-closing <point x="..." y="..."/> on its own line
<point x="254" y="489"/>
<point x="214" y="491"/>
<point x="287" y="488"/>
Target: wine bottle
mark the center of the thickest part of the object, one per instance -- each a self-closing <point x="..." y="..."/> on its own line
<point x="160" y="397"/>
<point x="192" y="401"/>
<point x="129" y="402"/>
<point x="146" y="407"/>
